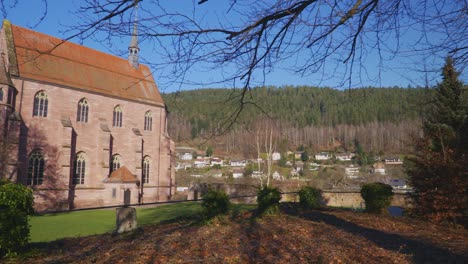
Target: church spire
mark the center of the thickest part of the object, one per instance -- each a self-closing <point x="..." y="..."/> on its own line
<point x="133" y="49"/>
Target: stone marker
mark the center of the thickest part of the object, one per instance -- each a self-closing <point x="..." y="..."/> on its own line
<point x="125" y="219"/>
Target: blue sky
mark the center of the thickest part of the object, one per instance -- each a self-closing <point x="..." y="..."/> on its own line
<point x="397" y="71"/>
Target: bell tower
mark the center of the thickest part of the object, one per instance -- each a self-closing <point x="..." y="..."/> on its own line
<point x="133" y="49"/>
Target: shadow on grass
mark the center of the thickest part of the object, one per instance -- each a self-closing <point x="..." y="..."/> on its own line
<point x="421" y="251"/>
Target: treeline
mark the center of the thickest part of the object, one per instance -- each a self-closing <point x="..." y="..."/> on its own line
<point x="380" y="118"/>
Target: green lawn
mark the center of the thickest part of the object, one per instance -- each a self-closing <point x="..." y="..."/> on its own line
<point x="84" y="223"/>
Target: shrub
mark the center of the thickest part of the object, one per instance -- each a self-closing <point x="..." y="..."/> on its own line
<point x="16" y="203"/>
<point x="377" y="196"/>
<point x="215" y="203"/>
<point x="268" y="200"/>
<point x="310" y="197"/>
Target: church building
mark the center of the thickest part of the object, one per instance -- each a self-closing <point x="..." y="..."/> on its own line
<point x="81" y="127"/>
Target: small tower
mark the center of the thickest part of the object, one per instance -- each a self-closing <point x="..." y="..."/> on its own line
<point x="133" y="49"/>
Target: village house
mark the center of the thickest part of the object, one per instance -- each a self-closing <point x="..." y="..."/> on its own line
<point x="378" y="168"/>
<point x="352" y="172"/>
<point x="216" y="161"/>
<point x="237" y="173"/>
<point x="201" y="162"/>
<point x="323" y="156"/>
<point x="85" y="128"/>
<point x="238" y="163"/>
<point x="186" y="156"/>
<point x="344" y="156"/>
<point x="393" y="160"/>
<point x="275" y="156"/>
<point x="276" y="176"/>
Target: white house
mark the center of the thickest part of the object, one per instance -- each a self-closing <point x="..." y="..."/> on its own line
<point x="379" y="168"/>
<point x="237" y="173"/>
<point x="344" y="156"/>
<point x="393" y="160"/>
<point x="398" y="184"/>
<point x="294" y="173"/>
<point x="216" y="161"/>
<point x="186" y="156"/>
<point x="257" y="174"/>
<point x="352" y="172"/>
<point x="277" y="176"/>
<point x="322" y="156"/>
<point x="238" y="163"/>
<point x="275" y="156"/>
<point x="201" y="162"/>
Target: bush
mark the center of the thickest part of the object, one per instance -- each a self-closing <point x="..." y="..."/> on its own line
<point x="377" y="196"/>
<point x="16" y="203"/>
<point x="215" y="203"/>
<point x="310" y="197"/>
<point x="268" y="200"/>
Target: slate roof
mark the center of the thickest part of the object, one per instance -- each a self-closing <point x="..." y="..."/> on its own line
<point x="41" y="57"/>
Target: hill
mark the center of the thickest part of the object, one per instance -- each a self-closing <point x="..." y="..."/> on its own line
<point x="319" y="118"/>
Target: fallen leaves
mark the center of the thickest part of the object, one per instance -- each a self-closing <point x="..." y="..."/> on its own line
<point x="330" y="236"/>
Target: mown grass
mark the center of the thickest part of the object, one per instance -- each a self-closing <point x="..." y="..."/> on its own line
<point x="51" y="227"/>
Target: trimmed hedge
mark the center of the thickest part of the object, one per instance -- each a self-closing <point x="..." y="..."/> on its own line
<point x="377" y="196"/>
<point x="268" y="199"/>
<point x="310" y="197"/>
<point x="16" y="203"/>
<point x="215" y="203"/>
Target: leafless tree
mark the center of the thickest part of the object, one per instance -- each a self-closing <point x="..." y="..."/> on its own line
<point x="333" y="38"/>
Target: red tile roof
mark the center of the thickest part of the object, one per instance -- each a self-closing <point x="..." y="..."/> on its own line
<point x="45" y="58"/>
<point x="122" y="174"/>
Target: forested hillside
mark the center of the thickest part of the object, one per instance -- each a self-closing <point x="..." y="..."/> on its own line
<point x="380" y="119"/>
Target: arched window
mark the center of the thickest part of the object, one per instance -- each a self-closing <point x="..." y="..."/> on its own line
<point x="115" y="162"/>
<point x="148" y="121"/>
<point x="80" y="168"/>
<point x="82" y="113"/>
<point x="117" y="118"/>
<point x="36" y="168"/>
<point x="40" y="104"/>
<point x="146" y="167"/>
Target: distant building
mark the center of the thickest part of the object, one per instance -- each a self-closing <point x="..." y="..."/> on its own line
<point x="201" y="162"/>
<point x="398" y="184"/>
<point x="344" y="156"/>
<point x="186" y="156"/>
<point x="237" y="173"/>
<point x="238" y="163"/>
<point x="276" y="176"/>
<point x="393" y="160"/>
<point x="378" y="168"/>
<point x="322" y="156"/>
<point x="216" y="161"/>
<point x="352" y="172"/>
<point x="275" y="156"/>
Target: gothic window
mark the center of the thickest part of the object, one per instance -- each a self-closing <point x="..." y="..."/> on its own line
<point x="145" y="172"/>
<point x="40" y="104"/>
<point x="117" y="118"/>
<point x="36" y="168"/>
<point x="82" y="113"/>
<point x="148" y="121"/>
<point x="80" y="168"/>
<point x="115" y="162"/>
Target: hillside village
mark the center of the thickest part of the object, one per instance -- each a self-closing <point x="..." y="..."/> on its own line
<point x="326" y="170"/>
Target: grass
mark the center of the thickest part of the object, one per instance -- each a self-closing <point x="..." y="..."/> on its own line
<point x="51" y="227"/>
